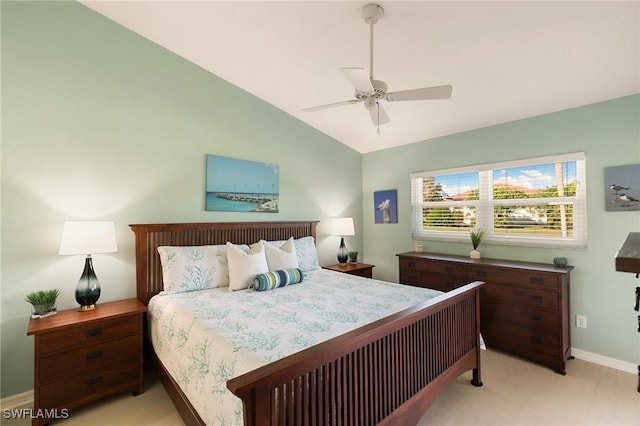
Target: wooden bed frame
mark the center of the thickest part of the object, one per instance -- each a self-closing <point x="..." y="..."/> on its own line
<point x="387" y="372"/>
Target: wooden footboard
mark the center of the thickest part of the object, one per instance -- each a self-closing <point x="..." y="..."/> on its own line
<point x="387" y="372"/>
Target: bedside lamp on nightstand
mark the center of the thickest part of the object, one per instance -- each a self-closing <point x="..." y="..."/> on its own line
<point x="87" y="238"/>
<point x="342" y="227"/>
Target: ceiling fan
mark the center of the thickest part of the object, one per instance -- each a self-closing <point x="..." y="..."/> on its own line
<point x="370" y="91"/>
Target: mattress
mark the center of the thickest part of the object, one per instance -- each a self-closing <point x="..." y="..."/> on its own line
<point x="207" y="337"/>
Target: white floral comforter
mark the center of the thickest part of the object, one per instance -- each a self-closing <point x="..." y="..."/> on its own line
<point x="206" y="337"/>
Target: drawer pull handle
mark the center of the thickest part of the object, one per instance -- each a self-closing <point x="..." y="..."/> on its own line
<point x="537" y="318"/>
<point x="537" y="340"/>
<point x="537" y="280"/>
<point x="92" y="356"/>
<point x="481" y="273"/>
<point x="448" y="269"/>
<point x="412" y="263"/>
<point x="535" y="299"/>
<point x="93" y="332"/>
<point x="93" y="381"/>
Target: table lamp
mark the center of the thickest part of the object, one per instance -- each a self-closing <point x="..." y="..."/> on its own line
<point x="88" y="238"/>
<point x="342" y="227"/>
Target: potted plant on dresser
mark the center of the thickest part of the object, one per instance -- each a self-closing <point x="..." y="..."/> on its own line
<point x="476" y="238"/>
<point x="43" y="302"/>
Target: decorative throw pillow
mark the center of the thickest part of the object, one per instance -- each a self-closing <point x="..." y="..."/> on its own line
<point x="307" y="253"/>
<point x="244" y="266"/>
<point x="274" y="279"/>
<point x="192" y="268"/>
<point x="283" y="257"/>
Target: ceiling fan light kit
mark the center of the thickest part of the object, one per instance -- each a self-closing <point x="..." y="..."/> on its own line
<point x="370" y="91"/>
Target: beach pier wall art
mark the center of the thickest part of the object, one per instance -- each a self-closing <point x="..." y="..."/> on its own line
<point x="235" y="185"/>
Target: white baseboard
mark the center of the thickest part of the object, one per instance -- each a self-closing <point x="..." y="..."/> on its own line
<point x="617" y="364"/>
<point x="20" y="400"/>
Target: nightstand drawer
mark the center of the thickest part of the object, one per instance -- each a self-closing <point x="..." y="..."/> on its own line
<point x="81" y="388"/>
<point x="88" y="333"/>
<point x="119" y="352"/>
<point x="521" y="296"/>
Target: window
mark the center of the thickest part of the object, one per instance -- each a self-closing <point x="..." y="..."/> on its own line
<point x="530" y="202"/>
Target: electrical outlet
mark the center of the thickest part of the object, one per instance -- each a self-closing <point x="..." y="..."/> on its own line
<point x="581" y="321"/>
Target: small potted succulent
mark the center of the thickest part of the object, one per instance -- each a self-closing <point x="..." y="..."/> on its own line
<point x="43" y="302"/>
<point x="476" y="238"/>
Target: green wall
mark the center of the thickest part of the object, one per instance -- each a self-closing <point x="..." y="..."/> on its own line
<point x="609" y="134"/>
<point x="100" y="123"/>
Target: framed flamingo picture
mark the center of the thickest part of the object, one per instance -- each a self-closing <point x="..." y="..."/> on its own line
<point x="385" y="205"/>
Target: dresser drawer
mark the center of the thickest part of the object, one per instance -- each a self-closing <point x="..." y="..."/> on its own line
<point x="81" y="388"/>
<point x="519" y="338"/>
<point x="432" y="266"/>
<point x="101" y="356"/>
<point x="523" y="278"/>
<point x="87" y="334"/>
<point x="440" y="282"/>
<point x="522" y="296"/>
<point x="527" y="316"/>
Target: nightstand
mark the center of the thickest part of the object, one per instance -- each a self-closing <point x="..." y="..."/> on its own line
<point x="361" y="269"/>
<point x="84" y="356"/>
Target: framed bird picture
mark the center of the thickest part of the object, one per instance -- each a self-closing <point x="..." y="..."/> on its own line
<point x="622" y="188"/>
<point x="385" y="205"/>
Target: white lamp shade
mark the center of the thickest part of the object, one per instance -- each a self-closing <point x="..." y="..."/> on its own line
<point x="88" y="237"/>
<point x="342" y="226"/>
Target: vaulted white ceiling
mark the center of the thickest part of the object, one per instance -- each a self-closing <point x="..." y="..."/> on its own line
<point x="505" y="60"/>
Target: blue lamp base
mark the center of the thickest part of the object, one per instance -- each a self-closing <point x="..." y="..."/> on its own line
<point x="88" y="288"/>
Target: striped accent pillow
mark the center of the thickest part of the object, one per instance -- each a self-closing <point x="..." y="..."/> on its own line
<point x="274" y="279"/>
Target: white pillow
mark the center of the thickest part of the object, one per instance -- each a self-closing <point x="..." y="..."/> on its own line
<point x="280" y="258"/>
<point x="244" y="266"/>
<point x="190" y="268"/>
<point x="306" y="252"/>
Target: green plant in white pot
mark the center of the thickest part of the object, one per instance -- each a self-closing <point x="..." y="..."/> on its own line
<point x="476" y="239"/>
<point x="43" y="302"/>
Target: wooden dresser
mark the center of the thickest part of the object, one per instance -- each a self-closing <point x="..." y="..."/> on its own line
<point x="524" y="306"/>
<point x="84" y="356"/>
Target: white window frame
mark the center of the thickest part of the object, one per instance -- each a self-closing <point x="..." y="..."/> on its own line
<point x="485" y="204"/>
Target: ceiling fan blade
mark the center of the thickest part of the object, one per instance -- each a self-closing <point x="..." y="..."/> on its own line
<point x="335" y="104"/>
<point x="378" y="114"/>
<point x="435" y="92"/>
<point x="359" y="78"/>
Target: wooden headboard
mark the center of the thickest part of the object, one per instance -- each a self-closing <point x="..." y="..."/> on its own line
<point x="148" y="237"/>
